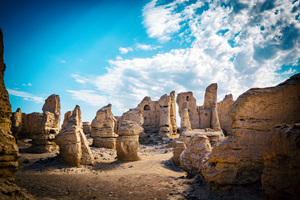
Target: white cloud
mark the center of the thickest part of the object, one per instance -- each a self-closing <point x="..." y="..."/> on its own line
<point x="119" y="58"/>
<point x="79" y="79"/>
<point x="29" y="84"/>
<point x="146" y="47"/>
<point x="26" y="96"/>
<point x="89" y="96"/>
<point x="125" y="50"/>
<point x="235" y="47"/>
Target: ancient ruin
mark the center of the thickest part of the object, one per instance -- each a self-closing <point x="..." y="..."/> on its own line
<point x="178" y="149"/>
<point x="238" y="159"/>
<point x="203" y="120"/>
<point x="73" y="146"/>
<point x="128" y="141"/>
<point x="40" y="127"/>
<point x="103" y="127"/>
<point x="160" y="116"/>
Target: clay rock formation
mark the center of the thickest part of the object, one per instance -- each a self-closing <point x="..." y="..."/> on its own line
<point x="178" y="149"/>
<point x="210" y="96"/>
<point x="196" y="150"/>
<point x="238" y="159"/>
<point x="191" y="107"/>
<point x="43" y="141"/>
<point x="73" y="146"/>
<point x="102" y="128"/>
<point x="160" y="116"/>
<point x="185" y="119"/>
<point x="128" y="141"/>
<point x="281" y="175"/>
<point x="40" y="127"/>
<point x="9" y="152"/>
<point x="66" y="117"/>
<point x="86" y="127"/>
<point x="134" y="115"/>
<point x="223" y="114"/>
<point x="16" y="121"/>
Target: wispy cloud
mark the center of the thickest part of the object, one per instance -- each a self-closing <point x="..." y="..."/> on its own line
<point x="236" y="47"/>
<point x="125" y="50"/>
<point x="146" y="47"/>
<point x="79" y="79"/>
<point x="29" y="84"/>
<point x="89" y="96"/>
<point x="26" y="96"/>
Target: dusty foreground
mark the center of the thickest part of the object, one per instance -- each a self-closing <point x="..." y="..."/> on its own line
<point x="153" y="177"/>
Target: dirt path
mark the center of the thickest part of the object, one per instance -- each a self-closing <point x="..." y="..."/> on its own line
<point x="153" y="177"/>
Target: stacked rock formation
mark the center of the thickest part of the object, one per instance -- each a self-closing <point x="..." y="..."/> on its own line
<point x="102" y="128"/>
<point x="178" y="149"/>
<point x="239" y="159"/>
<point x="134" y="115"/>
<point x="281" y="175"/>
<point x="86" y="127"/>
<point x="9" y="152"/>
<point x="223" y="113"/>
<point x="185" y="118"/>
<point x="128" y="141"/>
<point x="16" y="120"/>
<point x="73" y="146"/>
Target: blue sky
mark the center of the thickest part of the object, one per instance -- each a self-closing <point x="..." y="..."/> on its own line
<point x="92" y="53"/>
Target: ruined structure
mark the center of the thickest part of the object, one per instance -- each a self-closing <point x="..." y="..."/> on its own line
<point x="86" y="127"/>
<point x="201" y="120"/>
<point x="128" y="141"/>
<point x="160" y="116"/>
<point x="40" y="127"/>
<point x="239" y="159"/>
<point x="134" y="115"/>
<point x="102" y="128"/>
<point x="223" y="113"/>
<point x="9" y="152"/>
<point x="73" y="146"/>
<point x="178" y="149"/>
<point x="281" y="175"/>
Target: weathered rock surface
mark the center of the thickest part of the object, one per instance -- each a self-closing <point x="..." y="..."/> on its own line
<point x="223" y="113"/>
<point x="210" y="96"/>
<point x="185" y="119"/>
<point x="196" y="150"/>
<point x="86" y="127"/>
<point x="160" y="116"/>
<point x="134" y="115"/>
<point x="238" y="159"/>
<point x="40" y="127"/>
<point x="128" y="141"/>
<point x="9" y="152"/>
<point x="281" y="175"/>
<point x="102" y="128"/>
<point x="178" y="149"/>
<point x="73" y="145"/>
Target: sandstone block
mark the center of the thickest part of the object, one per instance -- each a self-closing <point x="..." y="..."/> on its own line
<point x="127" y="148"/>
<point x="178" y="149"/>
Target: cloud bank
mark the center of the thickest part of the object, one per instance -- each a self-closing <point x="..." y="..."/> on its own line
<point x="238" y="44"/>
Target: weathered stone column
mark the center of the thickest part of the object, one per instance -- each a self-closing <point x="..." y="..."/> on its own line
<point x="102" y="128"/>
<point x="128" y="141"/>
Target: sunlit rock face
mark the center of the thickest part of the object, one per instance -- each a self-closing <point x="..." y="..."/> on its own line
<point x="196" y="150"/>
<point x="128" y="141"/>
<point x="238" y="159"/>
<point x="86" y="127"/>
<point x="40" y="127"/>
<point x="102" y="128"/>
<point x="223" y="114"/>
<point x="281" y="175"/>
<point x="73" y="146"/>
<point x="160" y="116"/>
<point x="178" y="149"/>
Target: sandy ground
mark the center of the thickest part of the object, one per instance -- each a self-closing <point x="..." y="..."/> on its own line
<point x="153" y="177"/>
